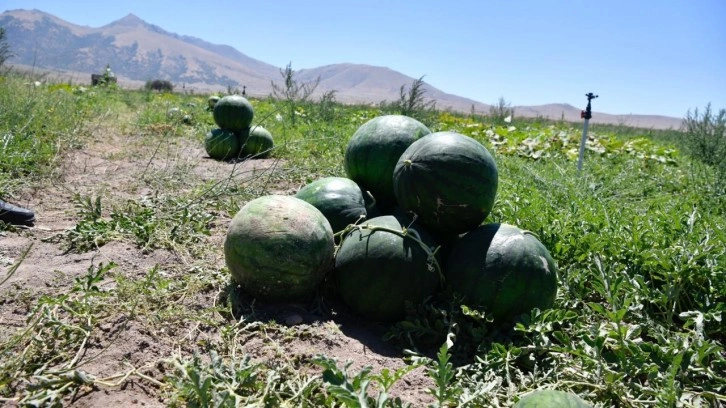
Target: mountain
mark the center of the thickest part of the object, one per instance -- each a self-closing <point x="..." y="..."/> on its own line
<point x="360" y="83"/>
<point x="138" y="51"/>
<point x="572" y="114"/>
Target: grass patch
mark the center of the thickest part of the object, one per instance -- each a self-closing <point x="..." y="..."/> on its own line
<point x="38" y="124"/>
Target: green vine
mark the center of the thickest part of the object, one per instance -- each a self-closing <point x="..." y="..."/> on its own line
<point x="433" y="263"/>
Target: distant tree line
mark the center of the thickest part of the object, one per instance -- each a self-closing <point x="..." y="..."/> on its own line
<point x="161" y="85"/>
<point x="5" y="52"/>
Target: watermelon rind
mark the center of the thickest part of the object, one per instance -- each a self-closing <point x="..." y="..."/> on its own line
<point x="503" y="270"/>
<point x="374" y="149"/>
<point x="222" y="144"/>
<point x="279" y="248"/>
<point x="340" y="199"/>
<point x="384" y="264"/>
<point x="233" y="112"/>
<point x="551" y="399"/>
<point x="258" y="142"/>
<point x="449" y="180"/>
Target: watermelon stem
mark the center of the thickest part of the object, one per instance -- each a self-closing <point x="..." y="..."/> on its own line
<point x="373" y="202"/>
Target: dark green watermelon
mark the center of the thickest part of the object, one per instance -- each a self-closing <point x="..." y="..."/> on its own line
<point x="338" y="198"/>
<point x="222" y="144"/>
<point x="233" y="112"/>
<point x="258" y="144"/>
<point x="503" y="270"/>
<point x="449" y="180"/>
<point x="279" y="248"/>
<point x="551" y="399"/>
<point x="377" y="271"/>
<point x="374" y="149"/>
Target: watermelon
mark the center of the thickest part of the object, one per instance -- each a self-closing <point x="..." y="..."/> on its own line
<point x="374" y="149"/>
<point x="449" y="180"/>
<point x="502" y="269"/>
<point x="259" y="143"/>
<point x="551" y="399"/>
<point x="378" y="268"/>
<point x="338" y="198"/>
<point x="233" y="112"/>
<point x="222" y="144"/>
<point x="174" y="113"/>
<point x="212" y="100"/>
<point x="279" y="248"/>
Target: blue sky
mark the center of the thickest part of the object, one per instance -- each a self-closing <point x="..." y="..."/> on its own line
<point x="644" y="57"/>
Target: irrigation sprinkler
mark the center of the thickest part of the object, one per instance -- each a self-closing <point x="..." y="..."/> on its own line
<point x="586" y="114"/>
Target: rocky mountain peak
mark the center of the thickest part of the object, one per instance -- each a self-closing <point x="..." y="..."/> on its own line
<point x="130" y="20"/>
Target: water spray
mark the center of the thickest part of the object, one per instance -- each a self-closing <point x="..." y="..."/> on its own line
<point x="586" y="114"/>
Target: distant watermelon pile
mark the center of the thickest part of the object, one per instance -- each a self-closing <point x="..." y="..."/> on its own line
<point x="236" y="137"/>
<point x="410" y="196"/>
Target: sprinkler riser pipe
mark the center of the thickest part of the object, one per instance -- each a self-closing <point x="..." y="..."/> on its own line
<point x="582" y="145"/>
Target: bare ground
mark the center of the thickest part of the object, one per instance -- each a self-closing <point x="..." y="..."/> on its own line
<point x="118" y="167"/>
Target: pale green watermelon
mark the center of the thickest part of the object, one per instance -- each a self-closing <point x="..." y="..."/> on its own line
<point x="279" y="248"/>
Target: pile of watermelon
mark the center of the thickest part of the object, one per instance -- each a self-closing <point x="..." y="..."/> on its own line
<point x="236" y="136"/>
<point x="406" y="224"/>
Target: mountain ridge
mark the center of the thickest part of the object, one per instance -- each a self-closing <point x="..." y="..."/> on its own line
<point x="139" y="51"/>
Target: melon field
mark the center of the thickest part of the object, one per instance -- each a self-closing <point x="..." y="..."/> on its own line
<point x="120" y="293"/>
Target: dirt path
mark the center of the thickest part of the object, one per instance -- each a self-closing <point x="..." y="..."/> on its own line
<point x="118" y="167"/>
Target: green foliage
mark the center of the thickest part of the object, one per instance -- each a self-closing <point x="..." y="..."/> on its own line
<point x="443" y="374"/>
<point x="222" y="382"/>
<point x="541" y="141"/>
<point x="293" y="93"/>
<point x="354" y="390"/>
<point x="413" y="103"/>
<point x="501" y="112"/>
<point x="106" y="80"/>
<point x="38" y="125"/>
<point x="327" y="107"/>
<point x="161" y="85"/>
<point x="5" y="51"/>
<point x="705" y="136"/>
<point x="160" y="222"/>
<point x="48" y="357"/>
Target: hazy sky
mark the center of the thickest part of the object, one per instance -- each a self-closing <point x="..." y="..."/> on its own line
<point x="641" y="56"/>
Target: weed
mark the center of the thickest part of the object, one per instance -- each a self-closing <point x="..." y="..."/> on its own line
<point x="705" y="137"/>
<point x="220" y="382"/>
<point x="293" y="93"/>
<point x="5" y="51"/>
<point x="354" y="390"/>
<point x="48" y="351"/>
<point x="413" y="103"/>
<point x="501" y="112"/>
<point x="38" y="126"/>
